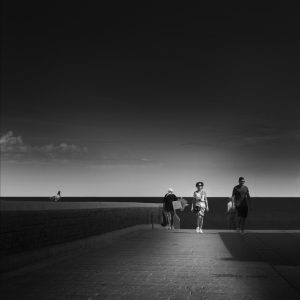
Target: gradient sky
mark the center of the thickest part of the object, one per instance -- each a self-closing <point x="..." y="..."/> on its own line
<point x="128" y="101"/>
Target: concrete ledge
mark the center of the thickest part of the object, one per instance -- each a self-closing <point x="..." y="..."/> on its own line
<point x="47" y="205"/>
<point x="15" y="264"/>
<point x="23" y="231"/>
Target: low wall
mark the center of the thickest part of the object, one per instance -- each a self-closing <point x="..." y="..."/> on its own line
<point x="265" y="214"/>
<point x="22" y="231"/>
<point x="28" y="225"/>
<point x="14" y="205"/>
<point x="35" y="230"/>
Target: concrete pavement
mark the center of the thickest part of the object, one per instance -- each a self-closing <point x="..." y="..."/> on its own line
<point x="161" y="264"/>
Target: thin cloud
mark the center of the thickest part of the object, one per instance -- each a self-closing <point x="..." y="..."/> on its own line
<point x="13" y="149"/>
<point x="141" y="161"/>
<point x="261" y="136"/>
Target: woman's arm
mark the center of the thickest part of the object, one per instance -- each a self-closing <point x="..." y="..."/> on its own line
<point x="204" y="198"/>
<point x="193" y="202"/>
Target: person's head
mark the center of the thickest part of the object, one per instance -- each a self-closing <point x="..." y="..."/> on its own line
<point x="58" y="193"/>
<point x="199" y="185"/>
<point x="241" y="181"/>
<point x="170" y="191"/>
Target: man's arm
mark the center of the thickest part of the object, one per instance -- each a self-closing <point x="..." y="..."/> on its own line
<point x="249" y="199"/>
<point x="233" y="196"/>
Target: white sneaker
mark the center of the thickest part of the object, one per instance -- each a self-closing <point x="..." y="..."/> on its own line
<point x="198" y="229"/>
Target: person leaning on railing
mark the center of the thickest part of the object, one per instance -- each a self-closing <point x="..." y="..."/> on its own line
<point x="168" y="209"/>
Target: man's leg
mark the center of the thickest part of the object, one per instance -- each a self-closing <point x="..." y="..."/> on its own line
<point x="229" y="219"/>
<point x="239" y="221"/>
<point x="243" y="220"/>
<point x="234" y="221"/>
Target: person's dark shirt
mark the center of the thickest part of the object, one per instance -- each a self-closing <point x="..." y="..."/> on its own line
<point x="168" y="199"/>
<point x="241" y="195"/>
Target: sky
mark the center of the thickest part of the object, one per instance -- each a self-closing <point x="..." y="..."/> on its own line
<point x="120" y="100"/>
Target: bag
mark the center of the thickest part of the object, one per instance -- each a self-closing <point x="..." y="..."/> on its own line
<point x="184" y="203"/>
<point x="202" y="204"/>
<point x="177" y="204"/>
<point x="196" y="209"/>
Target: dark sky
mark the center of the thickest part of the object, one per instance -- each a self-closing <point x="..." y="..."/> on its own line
<point x="129" y="100"/>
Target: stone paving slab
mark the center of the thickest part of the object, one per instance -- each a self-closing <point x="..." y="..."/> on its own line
<point x="158" y="264"/>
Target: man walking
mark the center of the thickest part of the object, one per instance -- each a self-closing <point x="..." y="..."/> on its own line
<point x="241" y="199"/>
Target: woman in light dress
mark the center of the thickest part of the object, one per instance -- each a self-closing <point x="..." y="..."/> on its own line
<point x="199" y="205"/>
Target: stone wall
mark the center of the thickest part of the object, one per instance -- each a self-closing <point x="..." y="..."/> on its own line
<point x="265" y="214"/>
<point x="22" y="231"/>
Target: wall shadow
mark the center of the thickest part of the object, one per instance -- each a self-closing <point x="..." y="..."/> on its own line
<point x="274" y="248"/>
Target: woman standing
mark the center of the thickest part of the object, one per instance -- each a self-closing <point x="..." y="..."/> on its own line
<point x="199" y="205"/>
<point x="168" y="209"/>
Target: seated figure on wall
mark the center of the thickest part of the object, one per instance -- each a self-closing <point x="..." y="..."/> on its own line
<point x="56" y="197"/>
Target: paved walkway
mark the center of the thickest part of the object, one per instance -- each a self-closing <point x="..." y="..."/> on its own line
<point x="159" y="264"/>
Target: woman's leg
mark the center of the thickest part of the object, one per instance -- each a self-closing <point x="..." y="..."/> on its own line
<point x="200" y="222"/>
<point x="169" y="219"/>
<point x="164" y="219"/>
<point x="172" y="218"/>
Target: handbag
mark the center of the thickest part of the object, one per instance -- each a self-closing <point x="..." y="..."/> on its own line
<point x="177" y="204"/>
<point x="196" y="209"/>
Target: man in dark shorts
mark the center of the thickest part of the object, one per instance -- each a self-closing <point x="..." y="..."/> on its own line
<point x="241" y="199"/>
<point x="168" y="209"/>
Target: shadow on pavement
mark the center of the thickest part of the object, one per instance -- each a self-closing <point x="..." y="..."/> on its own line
<point x="274" y="248"/>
